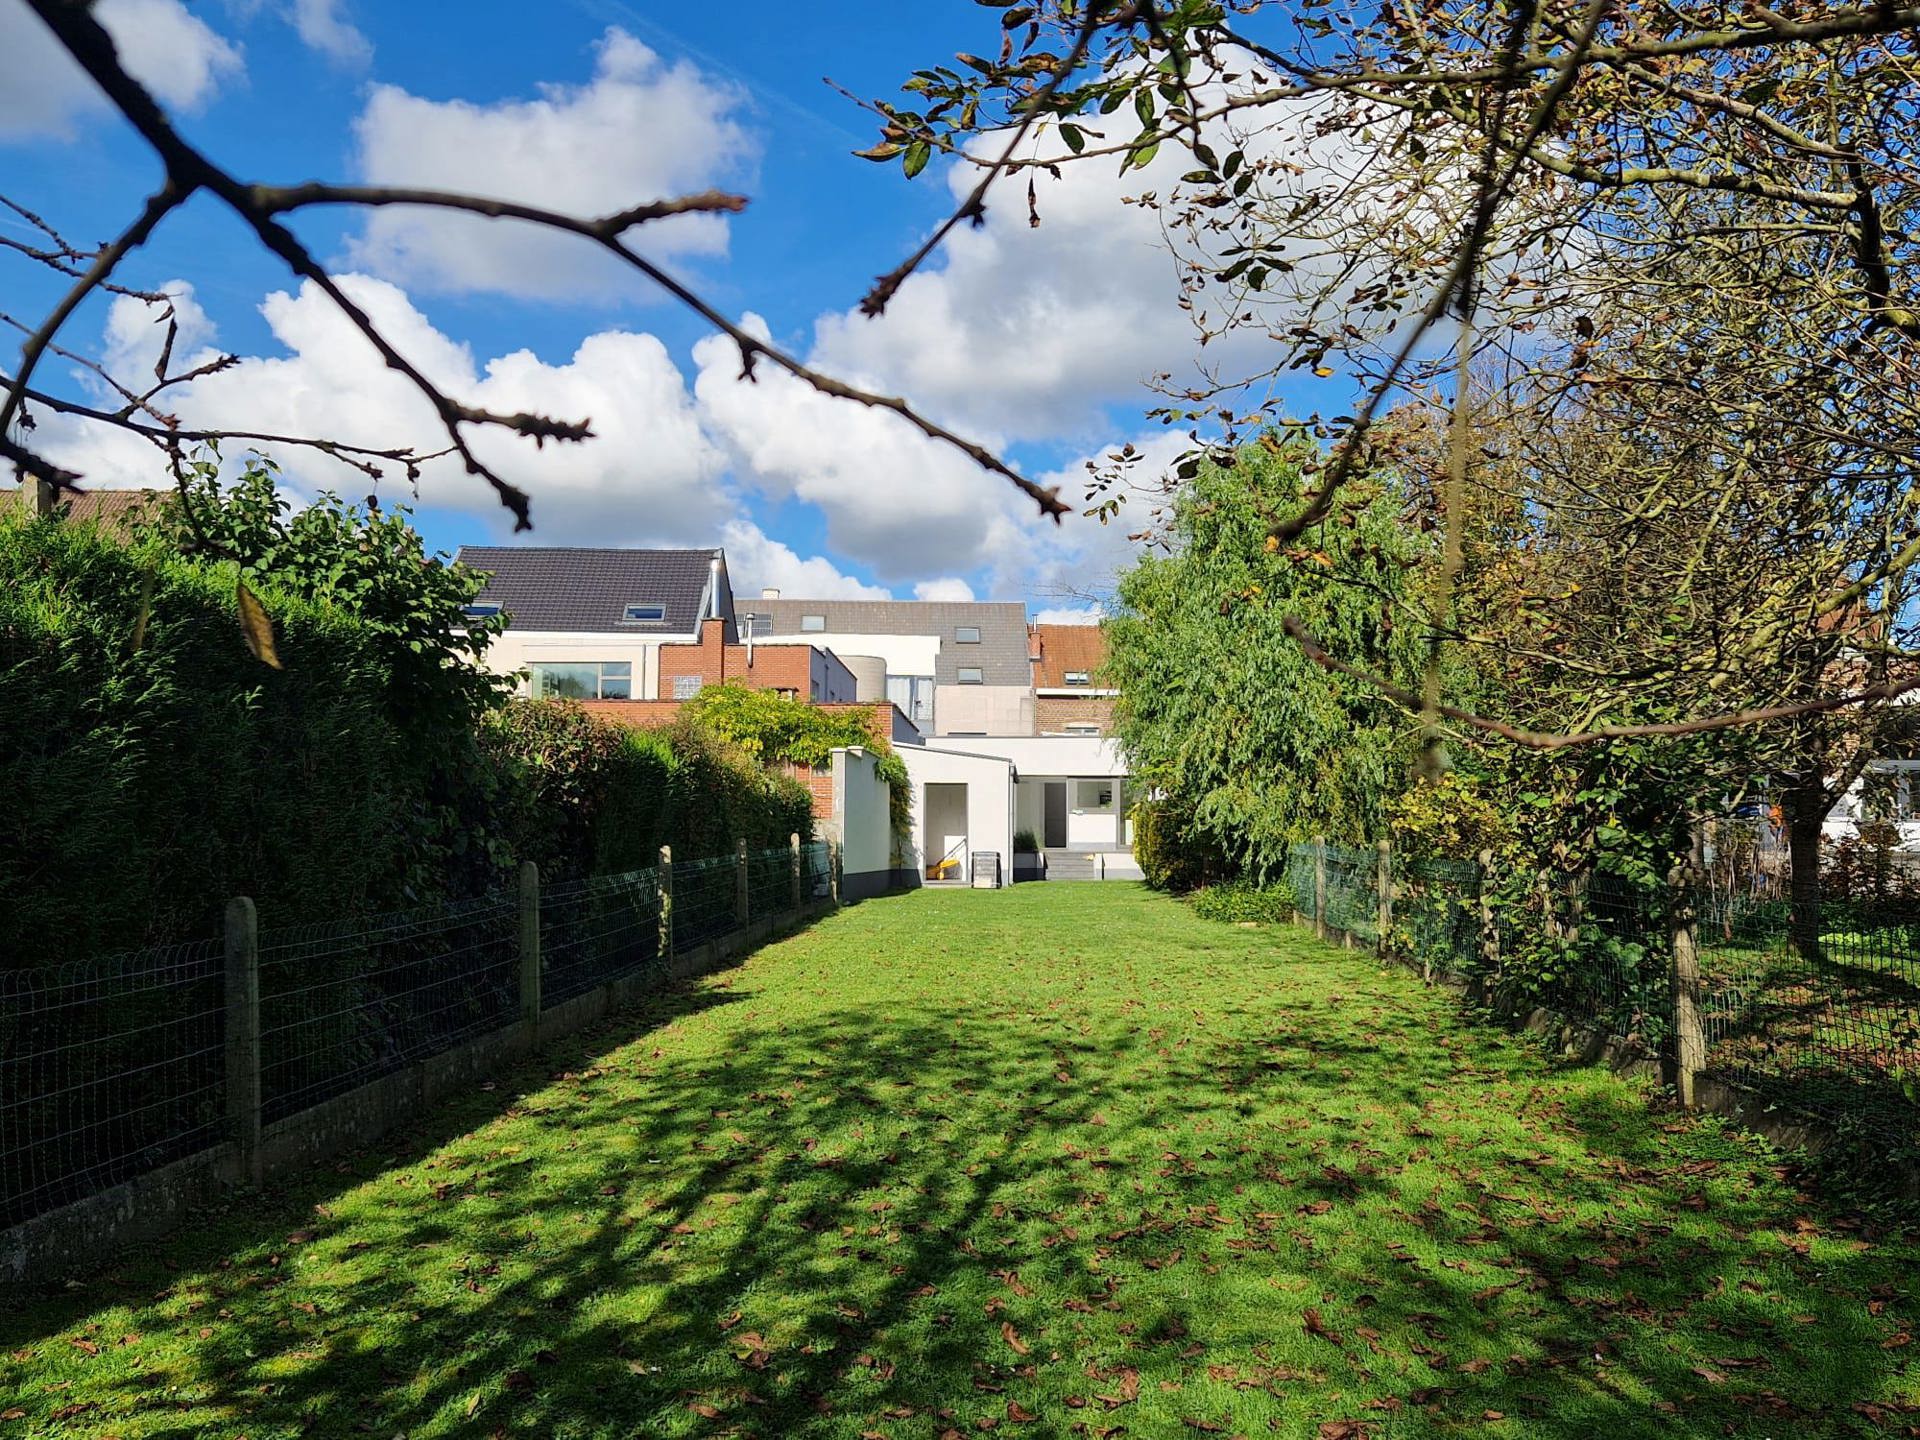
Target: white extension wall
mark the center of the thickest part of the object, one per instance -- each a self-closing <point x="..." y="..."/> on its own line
<point x="990" y="802"/>
<point x="862" y="816"/>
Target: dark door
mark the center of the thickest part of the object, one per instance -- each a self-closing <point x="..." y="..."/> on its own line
<point x="1056" y="835"/>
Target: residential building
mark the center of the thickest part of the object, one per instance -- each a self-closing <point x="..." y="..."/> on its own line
<point x="1002" y="727"/>
<point x="590" y="624"/>
<point x="1069" y="695"/>
<point x="115" y="512"/>
<point x="953" y="668"/>
<point x="989" y="767"/>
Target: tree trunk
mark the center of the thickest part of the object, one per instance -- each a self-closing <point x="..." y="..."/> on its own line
<point x="1806" y="808"/>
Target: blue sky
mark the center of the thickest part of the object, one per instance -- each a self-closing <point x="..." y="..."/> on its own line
<point x="1036" y="341"/>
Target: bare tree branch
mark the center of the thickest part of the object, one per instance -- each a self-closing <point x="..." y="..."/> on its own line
<point x="190" y="171"/>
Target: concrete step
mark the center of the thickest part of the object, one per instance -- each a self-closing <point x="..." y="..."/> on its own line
<point x="1070" y="865"/>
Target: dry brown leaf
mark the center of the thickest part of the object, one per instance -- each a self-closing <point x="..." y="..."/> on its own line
<point x="1314" y="1325"/>
<point x="1012" y="1337"/>
<point x="255" y="628"/>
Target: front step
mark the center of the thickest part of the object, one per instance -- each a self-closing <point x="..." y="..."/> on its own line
<point x="1070" y="865"/>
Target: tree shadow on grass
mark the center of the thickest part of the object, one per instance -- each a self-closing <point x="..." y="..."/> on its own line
<point x="906" y="1218"/>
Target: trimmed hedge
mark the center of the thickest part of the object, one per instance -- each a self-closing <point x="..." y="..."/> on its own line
<point x="580" y="795"/>
<point x="152" y="768"/>
<point x="1240" y="902"/>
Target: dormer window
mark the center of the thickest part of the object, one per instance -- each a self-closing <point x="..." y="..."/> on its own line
<point x="1079" y="677"/>
<point x="644" y="614"/>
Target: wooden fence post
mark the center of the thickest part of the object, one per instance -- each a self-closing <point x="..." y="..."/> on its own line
<point x="835" y="858"/>
<point x="1690" y="1040"/>
<point x="741" y="902"/>
<point x="243" y="1035"/>
<point x="1383" y="882"/>
<point x="1489" y="931"/>
<point x="793" y="843"/>
<point x="665" y="874"/>
<point x="530" y="947"/>
<point x="1320" y="886"/>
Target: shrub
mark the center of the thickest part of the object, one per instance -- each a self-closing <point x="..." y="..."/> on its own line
<point x="772" y="730"/>
<point x="1025" y="842"/>
<point x="1171" y="856"/>
<point x="1239" y="902"/>
<point x="153" y="768"/>
<point x="579" y="795"/>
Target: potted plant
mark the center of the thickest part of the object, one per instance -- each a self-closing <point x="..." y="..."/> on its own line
<point x="1027" y="861"/>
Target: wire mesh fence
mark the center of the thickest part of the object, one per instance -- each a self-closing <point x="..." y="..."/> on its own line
<point x="1820" y="1017"/>
<point x="344" y="1004"/>
<point x="107" y="1068"/>
<point x="706" y="899"/>
<point x="113" y="1067"/>
<point x="596" y="930"/>
<point x="816" y="862"/>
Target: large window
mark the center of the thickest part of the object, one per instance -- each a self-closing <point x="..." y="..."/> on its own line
<point x="1093" y="795"/>
<point x="914" y="695"/>
<point x="582" y="680"/>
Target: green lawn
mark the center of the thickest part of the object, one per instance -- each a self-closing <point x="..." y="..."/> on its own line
<point x="1062" y="1161"/>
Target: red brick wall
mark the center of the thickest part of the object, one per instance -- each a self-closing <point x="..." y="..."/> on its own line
<point x="640" y="714"/>
<point x="650" y="714"/>
<point x="819" y="785"/>
<point x="1051" y="713"/>
<point x="715" y="662"/>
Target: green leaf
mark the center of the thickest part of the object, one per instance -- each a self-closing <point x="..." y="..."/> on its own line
<point x="918" y="154"/>
<point x="1075" y="137"/>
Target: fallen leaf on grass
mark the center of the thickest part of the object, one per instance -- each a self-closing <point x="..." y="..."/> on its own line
<point x="1012" y="1337"/>
<point x="1344" y="1430"/>
<point x="1125" y="1393"/>
<point x="1019" y="1413"/>
<point x="1310" y="1320"/>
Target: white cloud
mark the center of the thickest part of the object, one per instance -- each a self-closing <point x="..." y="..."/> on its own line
<point x="168" y="49"/>
<point x="1090" y="615"/>
<point x="135" y="334"/>
<point x="1029" y="330"/>
<point x="643" y="129"/>
<point x="755" y="561"/>
<point x="321" y="25"/>
<point x="892" y="499"/>
<point x="650" y="475"/>
<point x="670" y="463"/>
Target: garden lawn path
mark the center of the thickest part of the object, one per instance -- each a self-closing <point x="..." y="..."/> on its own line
<point x="1063" y="1160"/>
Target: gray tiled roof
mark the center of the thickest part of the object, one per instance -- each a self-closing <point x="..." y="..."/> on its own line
<point x="577" y="589"/>
<point x="1001" y="653"/>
